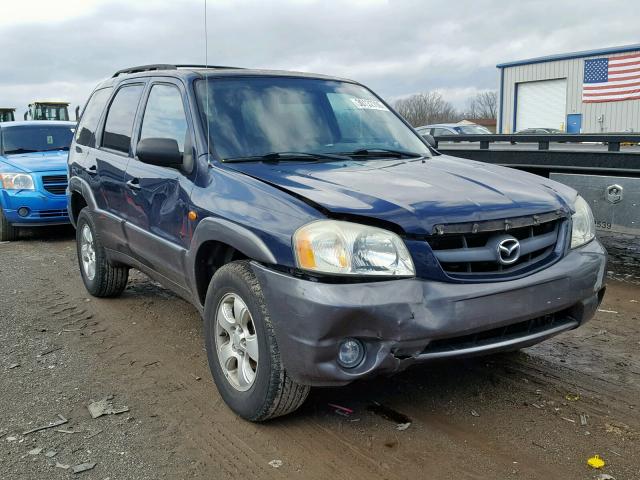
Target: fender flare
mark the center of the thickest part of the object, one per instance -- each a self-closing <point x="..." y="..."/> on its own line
<point x="79" y="185"/>
<point x="230" y="233"/>
<point x="233" y="234"/>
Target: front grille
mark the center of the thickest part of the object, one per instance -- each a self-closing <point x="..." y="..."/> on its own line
<point x="55" y="184"/>
<point x="501" y="334"/>
<point x="471" y="250"/>
<point x="51" y="213"/>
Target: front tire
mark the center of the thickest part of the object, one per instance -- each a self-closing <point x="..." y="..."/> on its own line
<point x="8" y="233"/>
<point x="242" y="350"/>
<point x="100" y="277"/>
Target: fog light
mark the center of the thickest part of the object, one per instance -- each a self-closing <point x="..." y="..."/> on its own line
<point x="23" y="211"/>
<point x="351" y="353"/>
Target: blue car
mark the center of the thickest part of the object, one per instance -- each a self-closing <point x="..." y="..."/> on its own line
<point x="33" y="175"/>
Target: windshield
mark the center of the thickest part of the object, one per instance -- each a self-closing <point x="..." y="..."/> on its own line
<point x="51" y="112"/>
<point x="6" y="116"/>
<point x="472" y="130"/>
<point x="25" y="139"/>
<point x="255" y="116"/>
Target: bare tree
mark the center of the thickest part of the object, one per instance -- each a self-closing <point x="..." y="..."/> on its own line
<point x="483" y="105"/>
<point x="426" y="108"/>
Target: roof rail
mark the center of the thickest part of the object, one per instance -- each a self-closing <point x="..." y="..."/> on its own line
<point x="189" y="65"/>
<point x="163" y="66"/>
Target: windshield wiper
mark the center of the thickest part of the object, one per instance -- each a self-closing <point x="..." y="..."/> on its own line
<point x="382" y="152"/>
<point x="55" y="148"/>
<point x="19" y="150"/>
<point x="288" y="157"/>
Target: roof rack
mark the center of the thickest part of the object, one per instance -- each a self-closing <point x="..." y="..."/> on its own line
<point x="165" y="66"/>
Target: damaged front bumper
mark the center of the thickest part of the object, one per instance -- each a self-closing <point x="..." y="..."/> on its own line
<point x="401" y="322"/>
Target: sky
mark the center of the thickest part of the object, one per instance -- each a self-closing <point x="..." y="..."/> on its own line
<point x="62" y="48"/>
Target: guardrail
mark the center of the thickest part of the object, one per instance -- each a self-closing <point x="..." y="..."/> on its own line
<point x="613" y="140"/>
<point x="599" y="154"/>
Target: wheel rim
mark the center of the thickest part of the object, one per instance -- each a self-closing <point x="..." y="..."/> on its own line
<point x="236" y="342"/>
<point x="87" y="252"/>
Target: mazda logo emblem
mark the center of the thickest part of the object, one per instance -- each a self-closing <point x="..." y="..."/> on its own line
<point x="508" y="251"/>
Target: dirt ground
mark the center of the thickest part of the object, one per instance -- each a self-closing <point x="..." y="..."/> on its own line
<point x="516" y="415"/>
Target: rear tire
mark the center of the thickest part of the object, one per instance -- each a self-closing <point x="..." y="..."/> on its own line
<point x="101" y="278"/>
<point x="8" y="232"/>
<point x="252" y="381"/>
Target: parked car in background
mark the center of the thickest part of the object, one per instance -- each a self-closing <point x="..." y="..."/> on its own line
<point x="452" y="129"/>
<point x="33" y="175"/>
<point x="319" y="236"/>
<point x="538" y="131"/>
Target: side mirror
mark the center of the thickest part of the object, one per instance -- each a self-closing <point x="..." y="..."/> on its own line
<point x="430" y="140"/>
<point x="163" y="152"/>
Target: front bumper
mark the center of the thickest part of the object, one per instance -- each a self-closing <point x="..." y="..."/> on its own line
<point x="43" y="208"/>
<point x="397" y="320"/>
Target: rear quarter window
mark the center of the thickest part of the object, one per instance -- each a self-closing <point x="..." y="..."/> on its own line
<point x="86" y="133"/>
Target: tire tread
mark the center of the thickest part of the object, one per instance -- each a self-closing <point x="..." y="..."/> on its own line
<point x="284" y="394"/>
<point x="110" y="280"/>
<point x="8" y="233"/>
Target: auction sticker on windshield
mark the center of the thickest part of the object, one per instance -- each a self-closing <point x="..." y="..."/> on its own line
<point x="368" y="104"/>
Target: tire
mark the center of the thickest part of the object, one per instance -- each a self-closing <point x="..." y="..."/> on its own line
<point x="272" y="393"/>
<point x="8" y="232"/>
<point x="108" y="280"/>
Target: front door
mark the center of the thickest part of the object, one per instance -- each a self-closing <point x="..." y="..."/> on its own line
<point x="157" y="223"/>
<point x="574" y="123"/>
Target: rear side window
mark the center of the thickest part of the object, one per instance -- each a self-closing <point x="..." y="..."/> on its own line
<point x="86" y="134"/>
<point x="164" y="116"/>
<point x="119" y="123"/>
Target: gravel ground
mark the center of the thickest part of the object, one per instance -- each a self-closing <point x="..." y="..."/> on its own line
<point x="507" y="416"/>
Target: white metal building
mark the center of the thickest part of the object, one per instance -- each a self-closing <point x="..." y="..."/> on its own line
<point x="596" y="91"/>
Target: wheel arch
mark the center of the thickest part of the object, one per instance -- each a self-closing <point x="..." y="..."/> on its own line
<point x="80" y="196"/>
<point x="215" y="243"/>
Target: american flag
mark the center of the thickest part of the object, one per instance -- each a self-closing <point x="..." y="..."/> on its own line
<point x="611" y="79"/>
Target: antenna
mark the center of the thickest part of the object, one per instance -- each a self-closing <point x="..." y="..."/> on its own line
<point x="206" y="62"/>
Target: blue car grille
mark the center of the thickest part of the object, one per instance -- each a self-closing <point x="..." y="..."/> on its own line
<point x="468" y="251"/>
<point x="55" y="184"/>
<point x="51" y="213"/>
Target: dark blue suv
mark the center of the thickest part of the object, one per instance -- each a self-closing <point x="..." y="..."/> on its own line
<point x="320" y="237"/>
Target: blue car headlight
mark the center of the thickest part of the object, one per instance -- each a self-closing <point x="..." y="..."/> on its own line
<point x="17" y="181"/>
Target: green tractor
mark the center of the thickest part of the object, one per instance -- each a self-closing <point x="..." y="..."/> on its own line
<point x="47" y="110"/>
<point x="7" y="114"/>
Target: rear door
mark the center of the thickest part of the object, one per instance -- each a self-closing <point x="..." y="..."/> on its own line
<point x="157" y="222"/>
<point x="82" y="157"/>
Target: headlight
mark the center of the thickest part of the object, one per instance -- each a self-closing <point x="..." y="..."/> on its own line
<point x="17" y="181"/>
<point x="346" y="248"/>
<point x="583" y="227"/>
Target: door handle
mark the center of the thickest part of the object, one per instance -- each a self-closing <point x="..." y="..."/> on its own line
<point x="78" y="149"/>
<point x="134" y="184"/>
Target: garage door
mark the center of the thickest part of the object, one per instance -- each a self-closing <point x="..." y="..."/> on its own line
<point x="541" y="104"/>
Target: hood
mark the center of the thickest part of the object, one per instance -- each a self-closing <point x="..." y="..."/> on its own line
<point x="35" y="162"/>
<point x="416" y="194"/>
